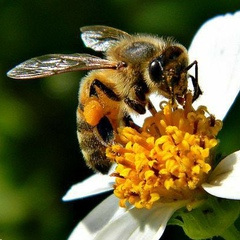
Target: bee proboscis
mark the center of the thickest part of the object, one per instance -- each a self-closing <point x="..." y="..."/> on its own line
<point x="134" y="67"/>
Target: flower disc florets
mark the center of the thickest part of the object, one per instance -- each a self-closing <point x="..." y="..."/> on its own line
<point x="168" y="159"/>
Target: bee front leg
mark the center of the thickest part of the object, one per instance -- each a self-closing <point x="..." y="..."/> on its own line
<point x="196" y="87"/>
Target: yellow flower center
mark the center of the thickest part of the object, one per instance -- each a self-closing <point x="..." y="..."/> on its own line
<point x="168" y="159"/>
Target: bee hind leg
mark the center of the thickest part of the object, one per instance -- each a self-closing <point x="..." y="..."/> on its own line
<point x="135" y="105"/>
<point x="105" y="131"/>
<point x="106" y="90"/>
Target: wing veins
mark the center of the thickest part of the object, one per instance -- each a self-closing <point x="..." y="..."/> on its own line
<point x="48" y="65"/>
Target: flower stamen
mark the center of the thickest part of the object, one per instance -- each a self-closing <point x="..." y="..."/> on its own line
<point x="168" y="159"/>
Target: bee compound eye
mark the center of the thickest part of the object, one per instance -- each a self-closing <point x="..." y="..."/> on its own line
<point x="156" y="70"/>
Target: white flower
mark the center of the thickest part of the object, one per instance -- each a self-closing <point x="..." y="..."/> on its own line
<point x="216" y="48"/>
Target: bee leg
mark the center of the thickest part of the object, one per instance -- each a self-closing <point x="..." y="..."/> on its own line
<point x="196" y="87"/>
<point x="135" y="105"/>
<point x="106" y="90"/>
<point x="151" y="107"/>
<point x="128" y="121"/>
<point x="141" y="89"/>
<point x="105" y="131"/>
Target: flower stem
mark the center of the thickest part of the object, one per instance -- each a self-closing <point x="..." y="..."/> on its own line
<point x="231" y="233"/>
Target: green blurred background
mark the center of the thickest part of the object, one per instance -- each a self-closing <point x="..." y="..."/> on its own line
<point x="39" y="154"/>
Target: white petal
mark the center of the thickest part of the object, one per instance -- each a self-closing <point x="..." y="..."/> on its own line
<point x="97" y="219"/>
<point x="109" y="221"/>
<point x="225" y="179"/>
<point x="141" y="224"/>
<point x="216" y="47"/>
<point x="93" y="185"/>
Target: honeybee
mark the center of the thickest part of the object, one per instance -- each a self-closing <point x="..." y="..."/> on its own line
<point x="119" y="84"/>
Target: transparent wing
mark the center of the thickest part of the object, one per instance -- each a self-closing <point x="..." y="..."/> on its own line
<point x="216" y="47"/>
<point x="100" y="38"/>
<point x="52" y="64"/>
